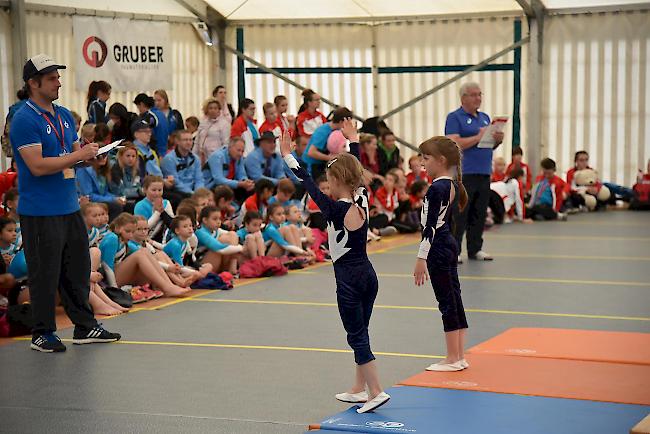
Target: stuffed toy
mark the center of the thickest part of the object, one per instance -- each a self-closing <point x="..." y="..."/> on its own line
<point x="590" y="188"/>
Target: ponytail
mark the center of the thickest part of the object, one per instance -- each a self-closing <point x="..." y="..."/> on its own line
<point x="306" y="97"/>
<point x="96" y="86"/>
<point x="462" y="193"/>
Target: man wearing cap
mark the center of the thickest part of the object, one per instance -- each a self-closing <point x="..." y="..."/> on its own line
<point x="263" y="162"/>
<point x="55" y="240"/>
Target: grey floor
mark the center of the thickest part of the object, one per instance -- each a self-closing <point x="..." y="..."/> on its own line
<point x="268" y="357"/>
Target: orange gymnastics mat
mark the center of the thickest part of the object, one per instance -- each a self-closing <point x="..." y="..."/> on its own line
<point x="556" y="378"/>
<point x="592" y="345"/>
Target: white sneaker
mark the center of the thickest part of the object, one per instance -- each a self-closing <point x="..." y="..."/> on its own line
<point x="482" y="256"/>
<point x="374" y="403"/>
<point x="352" y="397"/>
<point x="562" y="217"/>
<point x="464" y="364"/>
<point x="445" y="367"/>
<point x="460" y="259"/>
<point x="372" y="236"/>
<point x="388" y="230"/>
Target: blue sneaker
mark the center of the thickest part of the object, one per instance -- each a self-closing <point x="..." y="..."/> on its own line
<point x="47" y="343"/>
<point x="95" y="335"/>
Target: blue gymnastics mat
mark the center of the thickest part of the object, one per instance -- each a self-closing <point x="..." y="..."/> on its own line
<point x="430" y="410"/>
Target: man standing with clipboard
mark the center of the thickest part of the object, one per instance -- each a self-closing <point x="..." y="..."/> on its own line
<point x="467" y="126"/>
<point x="55" y="240"/>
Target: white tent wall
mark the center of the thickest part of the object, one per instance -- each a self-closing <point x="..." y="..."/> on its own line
<point x="309" y="46"/>
<point x="193" y="67"/>
<point x="443" y="42"/>
<point x="596" y="95"/>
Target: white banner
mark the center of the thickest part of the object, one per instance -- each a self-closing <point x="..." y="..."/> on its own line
<point x="131" y="55"/>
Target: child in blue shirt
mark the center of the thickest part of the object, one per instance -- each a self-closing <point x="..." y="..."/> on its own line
<point x="178" y="248"/>
<point x="13" y="256"/>
<point x="438" y="253"/>
<point x="280" y="238"/>
<point x="217" y="247"/>
<point x="125" y="263"/>
<point x="154" y="208"/>
<point x="250" y="235"/>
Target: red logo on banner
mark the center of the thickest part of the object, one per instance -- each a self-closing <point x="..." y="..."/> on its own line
<point x="93" y="57"/>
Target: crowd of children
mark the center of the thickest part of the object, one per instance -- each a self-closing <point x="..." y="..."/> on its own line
<point x="514" y="197"/>
<point x="159" y="221"/>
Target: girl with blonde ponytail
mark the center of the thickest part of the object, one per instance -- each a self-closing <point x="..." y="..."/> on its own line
<point x="438" y="253"/>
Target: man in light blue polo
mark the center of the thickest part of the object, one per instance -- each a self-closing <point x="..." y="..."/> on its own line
<point x="183" y="165"/>
<point x="46" y="148"/>
<point x="263" y="162"/>
<point x="226" y="167"/>
<point x="466" y="127"/>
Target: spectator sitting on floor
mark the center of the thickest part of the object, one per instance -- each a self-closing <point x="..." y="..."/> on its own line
<point x="547" y="195"/>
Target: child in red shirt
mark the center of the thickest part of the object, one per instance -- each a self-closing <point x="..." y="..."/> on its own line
<point x="547" y="195"/>
<point x="517" y="156"/>
<point x="498" y="170"/>
<point x="418" y="172"/>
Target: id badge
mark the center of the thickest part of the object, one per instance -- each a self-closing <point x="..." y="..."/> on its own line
<point x="68" y="173"/>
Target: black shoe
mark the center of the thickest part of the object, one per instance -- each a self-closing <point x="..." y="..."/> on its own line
<point x="47" y="343"/>
<point x="95" y="335"/>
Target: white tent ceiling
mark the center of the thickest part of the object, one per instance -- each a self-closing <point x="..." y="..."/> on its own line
<point x="261" y="10"/>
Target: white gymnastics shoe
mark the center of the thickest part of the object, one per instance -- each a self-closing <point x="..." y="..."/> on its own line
<point x="464" y="364"/>
<point x="374" y="403"/>
<point x="445" y="367"/>
<point x="352" y="397"/>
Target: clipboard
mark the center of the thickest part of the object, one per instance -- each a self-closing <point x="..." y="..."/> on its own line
<point x="497" y="125"/>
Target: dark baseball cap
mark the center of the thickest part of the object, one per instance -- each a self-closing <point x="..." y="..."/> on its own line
<point x="40" y="64"/>
<point x="266" y="135"/>
<point x="140" y="124"/>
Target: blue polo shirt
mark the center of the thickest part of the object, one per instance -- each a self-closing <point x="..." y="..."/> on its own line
<point x="259" y="167"/>
<point x="476" y="161"/>
<point x="319" y="140"/>
<point x="47" y="195"/>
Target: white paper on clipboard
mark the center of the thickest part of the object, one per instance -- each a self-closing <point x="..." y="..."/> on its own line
<point x="107" y="148"/>
<point x="497" y="125"/>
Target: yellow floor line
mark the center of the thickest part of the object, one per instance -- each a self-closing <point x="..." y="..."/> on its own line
<point x="532" y="279"/>
<point x="563" y="237"/>
<point x="427" y="308"/>
<point x="258" y="347"/>
<point x="549" y="256"/>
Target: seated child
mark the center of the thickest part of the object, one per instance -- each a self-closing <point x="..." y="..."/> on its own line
<point x="179" y="249"/>
<point x="250" y="235"/>
<point x="281" y="239"/>
<point x="177" y="274"/>
<point x="498" y="169"/>
<point x="13" y="256"/>
<point x="517" y="157"/>
<point x="284" y="192"/>
<point x="154" y="208"/>
<point x="507" y="199"/>
<point x="217" y="247"/>
<point x="125" y="263"/>
<point x="10" y="203"/>
<point x="259" y="201"/>
<point x="103" y="227"/>
<point x="203" y="197"/>
<point x="223" y="200"/>
<point x="418" y="172"/>
<point x="294" y="218"/>
<point x="92" y="213"/>
<point x="547" y="195"/>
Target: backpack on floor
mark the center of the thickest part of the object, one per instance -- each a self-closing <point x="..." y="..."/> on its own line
<point x="16" y="320"/>
<point x="117" y="295"/>
<point x="262" y="266"/>
<point x="212" y="281"/>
